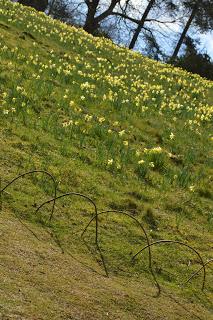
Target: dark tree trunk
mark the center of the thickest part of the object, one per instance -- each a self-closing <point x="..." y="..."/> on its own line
<point x="39" y="5"/>
<point x="91" y="24"/>
<point x="185" y="30"/>
<point x="141" y="24"/>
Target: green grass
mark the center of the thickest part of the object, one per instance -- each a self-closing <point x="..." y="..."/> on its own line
<point x="132" y="134"/>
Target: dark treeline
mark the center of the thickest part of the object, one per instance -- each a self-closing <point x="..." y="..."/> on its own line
<point x="132" y="22"/>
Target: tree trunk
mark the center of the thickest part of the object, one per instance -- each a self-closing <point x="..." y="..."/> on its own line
<point x="91" y="24"/>
<point x="141" y="24"/>
<point x="185" y="30"/>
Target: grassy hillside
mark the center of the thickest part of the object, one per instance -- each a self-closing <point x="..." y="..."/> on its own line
<point x="130" y="133"/>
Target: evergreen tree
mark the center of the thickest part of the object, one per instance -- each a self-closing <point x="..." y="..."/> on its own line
<point x="60" y="9"/>
<point x="201" y="16"/>
<point x="39" y="5"/>
<point x="194" y="61"/>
